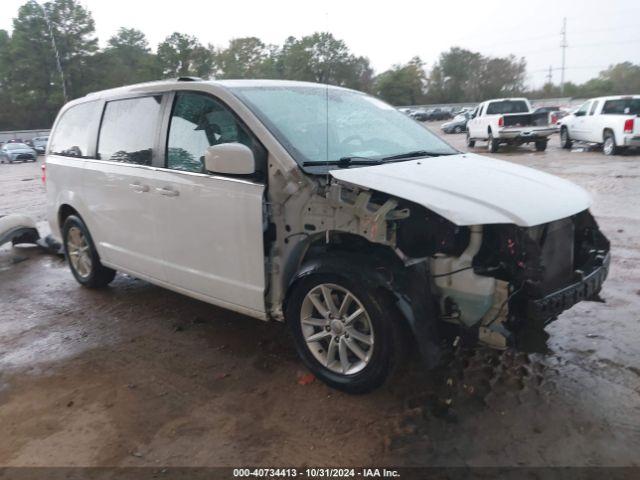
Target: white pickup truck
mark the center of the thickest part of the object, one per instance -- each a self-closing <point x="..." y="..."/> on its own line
<point x="509" y="121"/>
<point x="610" y="121"/>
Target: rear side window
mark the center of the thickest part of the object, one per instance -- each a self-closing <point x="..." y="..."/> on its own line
<point x="75" y="133"/>
<point x="507" y="106"/>
<point x="623" y="106"/>
<point x="128" y="130"/>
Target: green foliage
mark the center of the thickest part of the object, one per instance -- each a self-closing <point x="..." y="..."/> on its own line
<point x="183" y="55"/>
<point x="31" y="88"/>
<point x="245" y="57"/>
<point x="402" y="84"/>
<point x="324" y="59"/>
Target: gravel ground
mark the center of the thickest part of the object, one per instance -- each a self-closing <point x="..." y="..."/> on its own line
<point x="135" y="375"/>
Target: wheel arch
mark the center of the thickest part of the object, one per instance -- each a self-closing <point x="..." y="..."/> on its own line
<point x="397" y="284"/>
<point x="64" y="211"/>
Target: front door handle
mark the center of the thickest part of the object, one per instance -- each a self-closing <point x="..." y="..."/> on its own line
<point x="136" y="187"/>
<point x="168" y="192"/>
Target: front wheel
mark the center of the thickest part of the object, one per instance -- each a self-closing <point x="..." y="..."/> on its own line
<point x="565" y="140"/>
<point x="82" y="255"/>
<point x="348" y="336"/>
<point x="457" y="129"/>
<point x="470" y="143"/>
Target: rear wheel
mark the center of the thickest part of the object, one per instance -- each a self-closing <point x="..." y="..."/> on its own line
<point x="565" y="140"/>
<point x="82" y="255"/>
<point x="470" y="143"/>
<point x="348" y="336"/>
<point x="609" y="147"/>
<point x="541" y="145"/>
<point x="492" y="144"/>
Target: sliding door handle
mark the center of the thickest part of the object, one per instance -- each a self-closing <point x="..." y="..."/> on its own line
<point x="136" y="187"/>
<point x="167" y="192"/>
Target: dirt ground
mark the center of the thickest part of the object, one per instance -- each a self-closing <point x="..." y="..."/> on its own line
<point x="138" y="376"/>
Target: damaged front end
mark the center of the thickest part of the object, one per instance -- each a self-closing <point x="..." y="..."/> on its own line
<point x="501" y="280"/>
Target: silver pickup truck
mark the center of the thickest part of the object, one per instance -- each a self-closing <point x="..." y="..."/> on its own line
<point x="509" y="121"/>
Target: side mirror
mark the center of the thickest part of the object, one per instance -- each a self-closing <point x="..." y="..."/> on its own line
<point x="579" y="113"/>
<point x="230" y="159"/>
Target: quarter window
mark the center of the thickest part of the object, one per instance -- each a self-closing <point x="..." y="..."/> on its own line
<point x="197" y="122"/>
<point x="128" y="130"/>
<point x="75" y="133"/>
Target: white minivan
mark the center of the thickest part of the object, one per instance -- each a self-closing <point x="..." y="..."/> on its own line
<point x="322" y="207"/>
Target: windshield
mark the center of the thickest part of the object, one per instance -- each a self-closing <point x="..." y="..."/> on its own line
<point x="622" y="106"/>
<point x="16" y="146"/>
<point x="317" y="124"/>
<point x="507" y="106"/>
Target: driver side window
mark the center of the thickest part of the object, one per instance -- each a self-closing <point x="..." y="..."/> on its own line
<point x="584" y="108"/>
<point x="197" y="122"/>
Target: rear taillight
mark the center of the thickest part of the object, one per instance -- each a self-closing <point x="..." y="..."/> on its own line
<point x="44" y="173"/>
<point x="628" y="126"/>
<point x="501" y="122"/>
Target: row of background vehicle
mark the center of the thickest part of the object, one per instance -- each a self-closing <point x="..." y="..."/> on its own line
<point x="19" y="150"/>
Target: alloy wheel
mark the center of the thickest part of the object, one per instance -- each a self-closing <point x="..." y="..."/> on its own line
<point x="608" y="146"/>
<point x="337" y="329"/>
<point x="79" y="252"/>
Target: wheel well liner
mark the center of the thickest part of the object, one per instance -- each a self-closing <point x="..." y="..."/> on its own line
<point x="407" y="288"/>
<point x="65" y="211"/>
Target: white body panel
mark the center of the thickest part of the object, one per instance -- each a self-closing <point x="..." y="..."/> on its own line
<point x="210" y="236"/>
<point x="469" y="189"/>
<point x="121" y="215"/>
<point x="590" y="127"/>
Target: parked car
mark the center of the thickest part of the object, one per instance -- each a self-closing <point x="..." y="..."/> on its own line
<point x="438" y="114"/>
<point x="354" y="227"/>
<point x="39" y="144"/>
<point x="610" y="121"/>
<point x="17" y="152"/>
<point x="458" y="124"/>
<point x="555" y="113"/>
<point x="406" y="111"/>
<point x="509" y="121"/>
<point x="420" y="115"/>
<point x="15" y="140"/>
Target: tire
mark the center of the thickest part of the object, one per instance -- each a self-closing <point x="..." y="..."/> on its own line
<point x="565" y="139"/>
<point x="609" y="146"/>
<point x="470" y="143"/>
<point x="492" y="144"/>
<point x="541" y="145"/>
<point x="352" y="369"/>
<point x="457" y="129"/>
<point x="82" y="255"/>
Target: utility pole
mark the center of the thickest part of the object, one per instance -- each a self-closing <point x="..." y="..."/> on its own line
<point x="550" y="76"/>
<point x="563" y="45"/>
<point x="57" y="54"/>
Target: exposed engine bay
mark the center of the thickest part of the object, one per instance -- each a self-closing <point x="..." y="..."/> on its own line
<point x="502" y="278"/>
<point x="488" y="281"/>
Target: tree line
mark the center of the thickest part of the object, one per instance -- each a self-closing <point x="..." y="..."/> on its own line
<point x="32" y="89"/>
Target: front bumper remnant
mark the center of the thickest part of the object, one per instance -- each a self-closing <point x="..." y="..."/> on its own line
<point x="553" y="304"/>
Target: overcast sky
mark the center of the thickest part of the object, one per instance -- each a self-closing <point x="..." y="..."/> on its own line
<point x="599" y="33"/>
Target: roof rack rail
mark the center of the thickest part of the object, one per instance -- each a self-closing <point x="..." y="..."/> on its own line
<point x="189" y="79"/>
